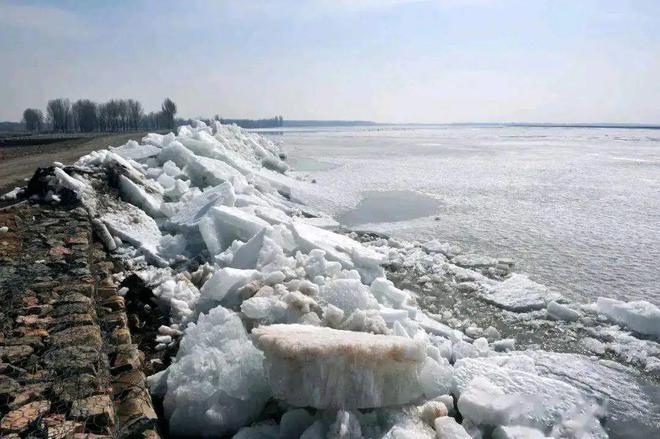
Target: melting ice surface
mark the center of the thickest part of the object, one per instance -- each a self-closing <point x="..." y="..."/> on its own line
<point x="390" y="206"/>
<point x="577" y="208"/>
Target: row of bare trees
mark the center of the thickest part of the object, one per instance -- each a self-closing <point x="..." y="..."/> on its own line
<point x="86" y="116"/>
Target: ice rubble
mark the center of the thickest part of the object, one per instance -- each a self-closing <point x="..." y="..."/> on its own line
<point x="283" y="308"/>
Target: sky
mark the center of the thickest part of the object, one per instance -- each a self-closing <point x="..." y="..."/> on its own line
<point x="382" y="60"/>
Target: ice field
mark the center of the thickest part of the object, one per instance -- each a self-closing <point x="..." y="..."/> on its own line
<point x="577" y="208"/>
<point x="292" y="328"/>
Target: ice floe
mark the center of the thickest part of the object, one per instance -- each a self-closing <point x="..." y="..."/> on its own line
<point x="519" y="293"/>
<point x="640" y="316"/>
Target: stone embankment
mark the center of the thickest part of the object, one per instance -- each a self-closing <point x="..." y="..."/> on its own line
<point x="68" y="366"/>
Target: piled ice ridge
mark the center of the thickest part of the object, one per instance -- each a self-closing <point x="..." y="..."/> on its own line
<point x="330" y="368"/>
<point x="288" y="328"/>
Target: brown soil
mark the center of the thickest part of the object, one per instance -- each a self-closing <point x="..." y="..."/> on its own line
<point x="19" y="162"/>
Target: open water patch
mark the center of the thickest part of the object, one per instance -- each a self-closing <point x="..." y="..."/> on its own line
<point x="305" y="164"/>
<point x="390" y="206"/>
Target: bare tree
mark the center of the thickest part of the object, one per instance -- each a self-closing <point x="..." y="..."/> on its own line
<point x="33" y="119"/>
<point x="152" y="121"/>
<point x="113" y="115"/>
<point x="123" y="114"/>
<point x="85" y="117"/>
<point x="168" y="110"/>
<point x="104" y="117"/>
<point x="134" y="113"/>
<point x="59" y="114"/>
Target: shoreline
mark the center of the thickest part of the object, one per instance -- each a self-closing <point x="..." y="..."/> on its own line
<point x="147" y="246"/>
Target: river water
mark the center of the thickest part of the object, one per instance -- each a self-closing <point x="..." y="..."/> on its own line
<point x="578" y="209"/>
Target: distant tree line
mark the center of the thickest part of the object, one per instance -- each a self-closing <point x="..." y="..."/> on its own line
<point x="273" y="122"/>
<point x="85" y="116"/>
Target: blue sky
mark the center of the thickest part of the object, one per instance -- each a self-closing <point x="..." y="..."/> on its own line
<point x="383" y="60"/>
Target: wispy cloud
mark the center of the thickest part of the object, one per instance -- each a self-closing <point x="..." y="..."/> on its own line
<point x="48" y="21"/>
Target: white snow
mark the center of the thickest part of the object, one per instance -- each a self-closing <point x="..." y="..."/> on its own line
<point x="329" y="368"/>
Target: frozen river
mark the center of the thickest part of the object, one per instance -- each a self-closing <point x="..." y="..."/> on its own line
<point x="577" y="208"/>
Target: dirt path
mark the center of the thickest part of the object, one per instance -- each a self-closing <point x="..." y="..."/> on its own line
<point x="20" y="162"/>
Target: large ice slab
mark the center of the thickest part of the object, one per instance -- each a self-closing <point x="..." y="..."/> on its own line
<point x="328" y="368"/>
<point x="340" y="248"/>
<point x="133" y="150"/>
<point x="447" y="428"/>
<point x="632" y="402"/>
<point x="518" y="293"/>
<point x="226" y="224"/>
<point x="485" y="403"/>
<point x="137" y="228"/>
<point x="223" y="286"/>
<point x="542" y="401"/>
<point x="640" y="316"/>
<point x="217" y="383"/>
<point x="195" y="209"/>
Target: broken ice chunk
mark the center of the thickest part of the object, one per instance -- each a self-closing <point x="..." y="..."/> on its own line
<point x="519" y="294"/>
<point x="217" y="382"/>
<point x="136" y="227"/>
<point x="328" y="368"/>
<point x="517" y="432"/>
<point x="348" y="295"/>
<point x="69" y="182"/>
<point x="133" y="150"/>
<point x="559" y="311"/>
<point x="546" y="400"/>
<point x="640" y="316"/>
<point x="195" y="209"/>
<point x="294" y="423"/>
<point x="136" y="195"/>
<point x="387" y="293"/>
<point x="446" y="427"/>
<point x="485" y="403"/>
<point x="233" y="223"/>
<point x="247" y="254"/>
<point x="223" y="286"/>
<point x="337" y="247"/>
<point x="205" y="171"/>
